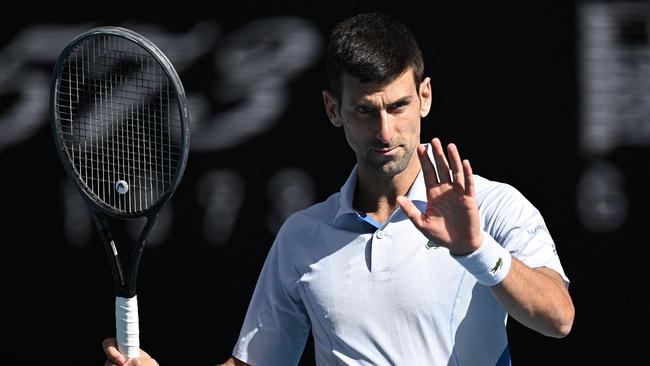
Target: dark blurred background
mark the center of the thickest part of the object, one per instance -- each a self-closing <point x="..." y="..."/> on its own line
<point x="550" y="97"/>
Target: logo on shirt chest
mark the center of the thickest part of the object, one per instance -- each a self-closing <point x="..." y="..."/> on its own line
<point x="431" y="245"/>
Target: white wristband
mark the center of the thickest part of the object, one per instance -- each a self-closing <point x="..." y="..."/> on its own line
<point x="490" y="263"/>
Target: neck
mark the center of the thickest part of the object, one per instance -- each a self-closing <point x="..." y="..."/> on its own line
<point x="378" y="197"/>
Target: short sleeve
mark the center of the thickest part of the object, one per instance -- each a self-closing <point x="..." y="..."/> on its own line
<point x="276" y="325"/>
<point x="517" y="225"/>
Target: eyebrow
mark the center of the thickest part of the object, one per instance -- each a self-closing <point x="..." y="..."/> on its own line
<point x="400" y="101"/>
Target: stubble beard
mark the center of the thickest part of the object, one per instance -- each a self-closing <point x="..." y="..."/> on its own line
<point x="388" y="168"/>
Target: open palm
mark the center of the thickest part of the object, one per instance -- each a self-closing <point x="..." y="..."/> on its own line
<point x="451" y="217"/>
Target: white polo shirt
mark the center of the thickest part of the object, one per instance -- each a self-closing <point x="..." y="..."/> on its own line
<point x="378" y="295"/>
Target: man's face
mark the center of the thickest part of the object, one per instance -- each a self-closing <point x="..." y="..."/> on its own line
<point x="382" y="122"/>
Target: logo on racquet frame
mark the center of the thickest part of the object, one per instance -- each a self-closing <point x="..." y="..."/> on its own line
<point x="121" y="187"/>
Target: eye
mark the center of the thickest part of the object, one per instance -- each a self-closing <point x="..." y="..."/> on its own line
<point x="398" y="107"/>
<point x="364" y="109"/>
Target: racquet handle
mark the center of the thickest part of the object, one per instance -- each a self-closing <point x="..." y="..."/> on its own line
<point x="126" y="323"/>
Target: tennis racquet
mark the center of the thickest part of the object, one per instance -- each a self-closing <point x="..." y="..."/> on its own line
<point x="121" y="128"/>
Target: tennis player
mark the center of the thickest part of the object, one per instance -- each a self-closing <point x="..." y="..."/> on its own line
<point x="416" y="260"/>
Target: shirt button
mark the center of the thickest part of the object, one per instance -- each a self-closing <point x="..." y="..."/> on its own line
<point x="380" y="234"/>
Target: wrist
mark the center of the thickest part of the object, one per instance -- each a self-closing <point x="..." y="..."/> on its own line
<point x="490" y="263"/>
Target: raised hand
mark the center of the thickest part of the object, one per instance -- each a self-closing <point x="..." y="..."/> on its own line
<point x="451" y="218"/>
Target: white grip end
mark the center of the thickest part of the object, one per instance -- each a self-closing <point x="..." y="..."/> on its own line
<point x="126" y="323"/>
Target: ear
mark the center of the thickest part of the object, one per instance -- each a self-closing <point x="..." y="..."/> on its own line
<point x="332" y="108"/>
<point x="425" y="97"/>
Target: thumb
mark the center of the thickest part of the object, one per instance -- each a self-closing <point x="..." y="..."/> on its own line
<point x="411" y="211"/>
<point x="112" y="353"/>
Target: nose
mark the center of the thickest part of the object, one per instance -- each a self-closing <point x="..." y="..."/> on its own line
<point x="385" y="132"/>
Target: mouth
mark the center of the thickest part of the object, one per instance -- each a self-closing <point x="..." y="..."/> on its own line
<point x="385" y="151"/>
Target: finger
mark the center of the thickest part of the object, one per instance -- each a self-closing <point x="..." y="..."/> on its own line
<point x="428" y="170"/>
<point x="412" y="212"/>
<point x="146" y="356"/>
<point x="442" y="167"/>
<point x="456" y="165"/>
<point x="469" y="178"/>
<point x="113" y="354"/>
<point x="143" y="360"/>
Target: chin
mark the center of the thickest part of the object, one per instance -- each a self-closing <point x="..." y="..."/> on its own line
<point x="387" y="167"/>
<point x="391" y="169"/>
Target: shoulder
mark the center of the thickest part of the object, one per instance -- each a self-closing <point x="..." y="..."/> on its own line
<point x="298" y="230"/>
<point x="296" y="243"/>
<point x="504" y="210"/>
<point x="502" y="204"/>
<point x="494" y="193"/>
<point x="305" y="219"/>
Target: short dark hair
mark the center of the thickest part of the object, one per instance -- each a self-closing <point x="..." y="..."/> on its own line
<point x="372" y="47"/>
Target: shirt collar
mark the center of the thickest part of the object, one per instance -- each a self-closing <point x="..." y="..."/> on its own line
<point x="346" y="195"/>
<point x="416" y="193"/>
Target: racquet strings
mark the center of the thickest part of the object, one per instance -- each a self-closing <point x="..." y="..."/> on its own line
<point x="119" y="121"/>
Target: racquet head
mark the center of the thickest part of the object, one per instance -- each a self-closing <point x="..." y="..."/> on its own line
<point x="120" y="121"/>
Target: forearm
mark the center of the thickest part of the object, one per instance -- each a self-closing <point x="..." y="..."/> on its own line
<point x="537" y="298"/>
